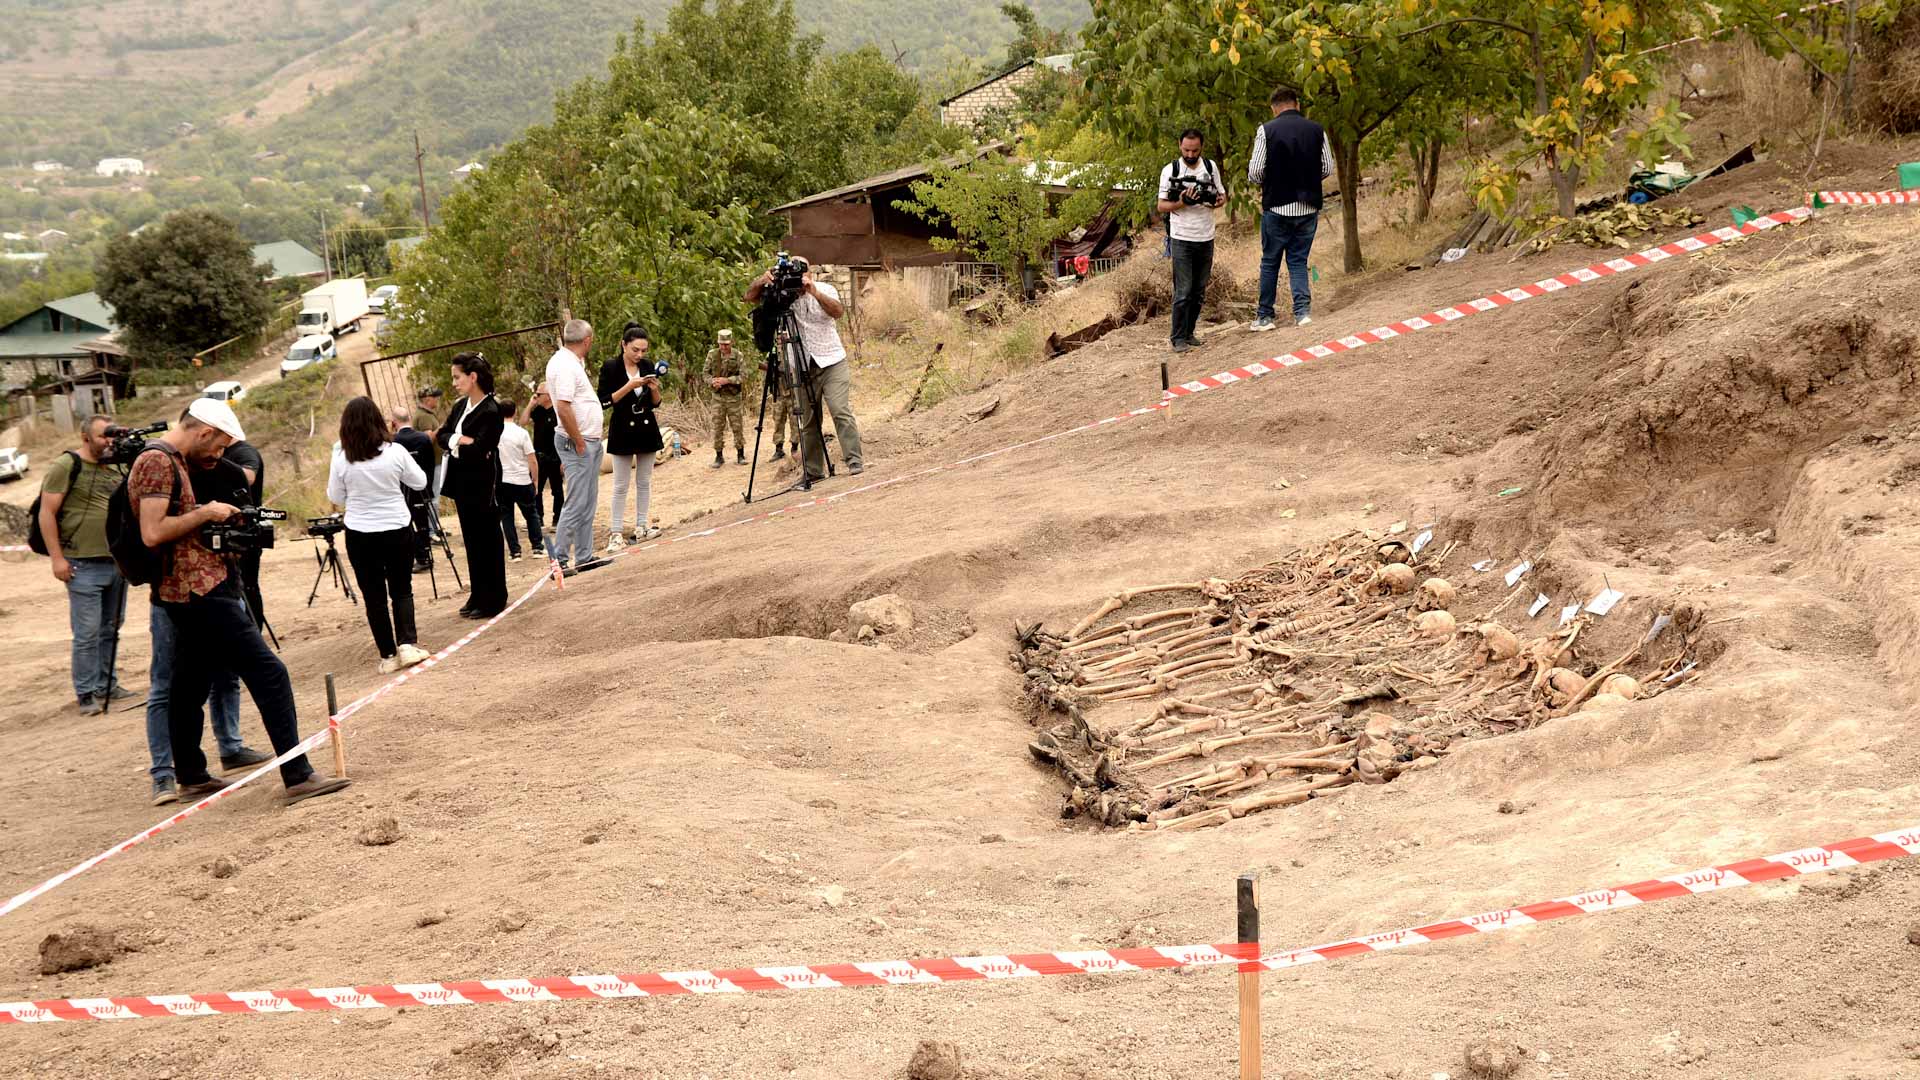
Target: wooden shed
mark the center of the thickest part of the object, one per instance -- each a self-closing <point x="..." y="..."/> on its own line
<point x="858" y="227"/>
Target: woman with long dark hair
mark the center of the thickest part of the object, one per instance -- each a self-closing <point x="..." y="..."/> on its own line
<point x="471" y="438"/>
<point x="629" y="387"/>
<point x="369" y="477"/>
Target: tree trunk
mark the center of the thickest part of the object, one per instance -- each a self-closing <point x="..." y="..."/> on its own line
<point x="1346" y="169"/>
<point x="1426" y="178"/>
<point x="1849" y="40"/>
<point x="1566" y="186"/>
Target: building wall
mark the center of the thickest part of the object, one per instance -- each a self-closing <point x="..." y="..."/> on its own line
<point x="1000" y="94"/>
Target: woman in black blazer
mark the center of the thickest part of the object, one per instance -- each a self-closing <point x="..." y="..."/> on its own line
<point x="471" y="438"/>
<point x="630" y="390"/>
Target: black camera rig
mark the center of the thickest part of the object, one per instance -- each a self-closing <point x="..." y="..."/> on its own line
<point x="326" y="525"/>
<point x="1196" y="190"/>
<point x="129" y="442"/>
<point x="249" y="529"/>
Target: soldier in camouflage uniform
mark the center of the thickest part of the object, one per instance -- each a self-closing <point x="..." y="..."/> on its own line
<point x="727" y="376"/>
<point x="786" y="422"/>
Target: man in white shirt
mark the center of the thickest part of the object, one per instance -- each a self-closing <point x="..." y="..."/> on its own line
<point x="519" y="480"/>
<point x="1190" y="190"/>
<point x="578" y="443"/>
<point x="816" y="312"/>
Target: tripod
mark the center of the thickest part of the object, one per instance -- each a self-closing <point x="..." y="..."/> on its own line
<point x="789" y="361"/>
<point x="435" y="532"/>
<point x="329" y="562"/>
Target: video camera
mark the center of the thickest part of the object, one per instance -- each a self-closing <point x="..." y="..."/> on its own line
<point x="128" y="442"/>
<point x="326" y="525"/>
<point x="785" y="287"/>
<point x="249" y="529"/>
<point x="1196" y="190"/>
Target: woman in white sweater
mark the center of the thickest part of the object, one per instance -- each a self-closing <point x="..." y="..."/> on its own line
<point x="367" y="477"/>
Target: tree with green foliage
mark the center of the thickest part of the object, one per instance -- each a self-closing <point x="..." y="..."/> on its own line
<point x="185" y="284"/>
<point x="1826" y="38"/>
<point x="1031" y="40"/>
<point x="999" y="211"/>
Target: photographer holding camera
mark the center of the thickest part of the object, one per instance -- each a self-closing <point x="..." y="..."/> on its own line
<point x="816" y="311"/>
<point x="1190" y="191"/>
<point x="471" y="438"/>
<point x="370" y="478"/>
<point x="200" y="596"/>
<point x="630" y="387"/>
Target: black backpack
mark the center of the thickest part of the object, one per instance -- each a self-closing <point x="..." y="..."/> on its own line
<point x="138" y="563"/>
<point x="35" y="539"/>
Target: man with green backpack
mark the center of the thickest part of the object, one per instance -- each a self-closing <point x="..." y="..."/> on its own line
<point x="69" y="522"/>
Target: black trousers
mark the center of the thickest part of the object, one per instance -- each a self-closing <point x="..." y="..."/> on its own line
<point x="550" y="473"/>
<point x="1192" y="267"/>
<point x="486" y="558"/>
<point x="383" y="565"/>
<point x="523" y="498"/>
<point x="216" y="633"/>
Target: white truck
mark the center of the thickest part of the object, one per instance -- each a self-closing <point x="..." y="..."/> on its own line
<point x="334" y="308"/>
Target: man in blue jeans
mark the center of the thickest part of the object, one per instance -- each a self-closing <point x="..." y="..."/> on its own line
<point x="73" y="519"/>
<point x="578" y="443"/>
<point x="1291" y="155"/>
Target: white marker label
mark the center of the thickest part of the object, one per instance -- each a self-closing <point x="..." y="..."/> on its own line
<point x="1514" y="575"/>
<point x="1659" y="624"/>
<point x="1422" y="541"/>
<point x="1605" y="601"/>
<point x="1690" y="666"/>
<point x="1567" y="613"/>
<point x="1483" y="565"/>
<point x="1540" y="603"/>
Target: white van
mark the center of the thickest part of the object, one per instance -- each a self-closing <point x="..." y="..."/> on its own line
<point x="226" y="390"/>
<point x="311" y="349"/>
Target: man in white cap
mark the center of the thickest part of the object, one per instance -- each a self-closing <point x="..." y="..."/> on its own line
<point x="201" y="597"/>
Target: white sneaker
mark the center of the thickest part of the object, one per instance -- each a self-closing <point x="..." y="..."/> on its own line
<point x="1258" y="325"/>
<point x="1304" y="320"/>
<point x="389" y="665"/>
<point x="651" y="533"/>
<point x="411" y="655"/>
<point x="616" y="542"/>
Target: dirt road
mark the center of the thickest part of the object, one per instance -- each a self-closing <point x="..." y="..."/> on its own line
<point x="666" y="766"/>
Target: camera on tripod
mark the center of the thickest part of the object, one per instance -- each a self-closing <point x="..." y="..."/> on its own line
<point x="784" y="288"/>
<point x="1196" y="190"/>
<point x="326" y="525"/>
<point x="128" y="442"/>
<point x="249" y="529"/>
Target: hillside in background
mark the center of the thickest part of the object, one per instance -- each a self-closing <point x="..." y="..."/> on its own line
<point x="345" y="84"/>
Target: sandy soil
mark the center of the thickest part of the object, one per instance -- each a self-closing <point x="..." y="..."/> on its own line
<point x="667" y="766"/>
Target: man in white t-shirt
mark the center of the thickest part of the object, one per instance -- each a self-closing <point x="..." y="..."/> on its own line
<point x="577" y="442"/>
<point x="519" y="477"/>
<point x="1190" y="190"/>
<point x="817" y="312"/>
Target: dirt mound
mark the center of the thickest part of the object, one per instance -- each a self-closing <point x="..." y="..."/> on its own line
<point x="1728" y="378"/>
<point x="1148" y="295"/>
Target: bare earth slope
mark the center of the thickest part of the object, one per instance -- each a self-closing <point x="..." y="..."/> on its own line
<point x="666" y="766"/>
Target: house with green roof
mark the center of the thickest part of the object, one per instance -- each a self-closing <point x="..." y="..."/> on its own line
<point x="61" y="339"/>
<point x="289" y="259"/>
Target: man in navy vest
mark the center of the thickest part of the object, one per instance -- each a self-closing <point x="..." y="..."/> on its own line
<point x="1291" y="155"/>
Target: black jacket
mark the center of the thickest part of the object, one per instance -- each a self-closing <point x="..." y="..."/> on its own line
<point x="631" y="427"/>
<point x="474" y="474"/>
<point x="545" y="423"/>
<point x="1294" y="144"/>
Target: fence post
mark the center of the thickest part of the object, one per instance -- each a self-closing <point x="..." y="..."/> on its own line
<point x="333" y="733"/>
<point x="1166" y="402"/>
<point x="1247" y="895"/>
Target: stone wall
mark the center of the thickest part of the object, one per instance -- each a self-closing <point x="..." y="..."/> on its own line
<point x="998" y="95"/>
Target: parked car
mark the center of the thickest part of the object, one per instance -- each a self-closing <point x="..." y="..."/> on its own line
<point x="381" y="297"/>
<point x="311" y="349"/>
<point x="224" y="390"/>
<point x="13" y="464"/>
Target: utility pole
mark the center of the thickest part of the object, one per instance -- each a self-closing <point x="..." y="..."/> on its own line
<point x="419" y="166"/>
<point x="326" y="248"/>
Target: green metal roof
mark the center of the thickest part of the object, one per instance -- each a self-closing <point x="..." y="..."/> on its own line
<point x="18" y="346"/>
<point x="88" y="308"/>
<point x="288" y="259"/>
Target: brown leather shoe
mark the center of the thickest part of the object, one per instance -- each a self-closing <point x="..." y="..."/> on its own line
<point x="196" y="792"/>
<point x="312" y="787"/>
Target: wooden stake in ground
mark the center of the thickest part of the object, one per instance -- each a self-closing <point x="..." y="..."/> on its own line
<point x="1166" y="397"/>
<point x="1247" y="894"/>
<point x="333" y="730"/>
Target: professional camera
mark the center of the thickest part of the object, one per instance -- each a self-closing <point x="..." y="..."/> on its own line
<point x="249" y="529"/>
<point x="785" y="287"/>
<point x="326" y="525"/>
<point x="128" y="442"/>
<point x="1196" y="190"/>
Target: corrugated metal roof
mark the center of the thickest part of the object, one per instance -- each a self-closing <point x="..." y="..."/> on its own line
<point x="288" y="259"/>
<point x="65" y="346"/>
<point x="889" y="179"/>
<point x="87" y="307"/>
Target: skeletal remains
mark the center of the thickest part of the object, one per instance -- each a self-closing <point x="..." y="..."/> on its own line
<point x="1324" y="669"/>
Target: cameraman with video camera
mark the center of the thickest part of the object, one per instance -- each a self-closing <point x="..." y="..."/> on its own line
<point x="200" y="596"/>
<point x="1190" y="191"/>
<point x="370" y="477"/>
<point x="816" y="311"/>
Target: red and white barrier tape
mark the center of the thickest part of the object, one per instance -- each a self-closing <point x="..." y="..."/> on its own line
<point x="1557" y="283"/>
<point x="1866" y="198"/>
<point x="1505" y="298"/>
<point x="311" y="742"/>
<point x="1892" y="845"/>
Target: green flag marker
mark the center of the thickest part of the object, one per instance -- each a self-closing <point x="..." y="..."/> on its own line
<point x="1910" y="176"/>
<point x="1743" y="214"/>
<point x="1512" y="491"/>
<point x="1820" y="203"/>
<point x="1315" y="272"/>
